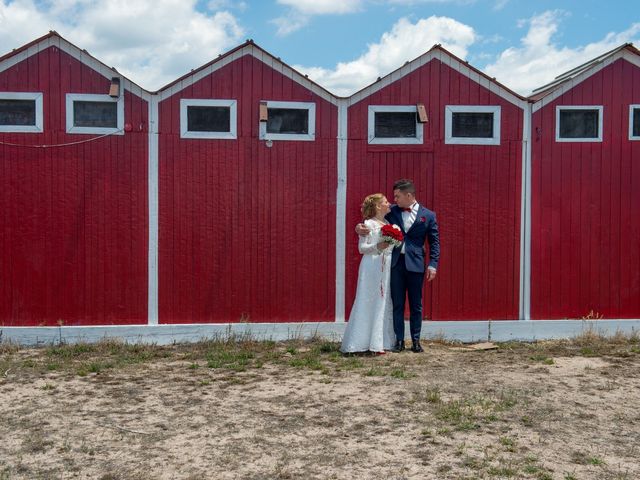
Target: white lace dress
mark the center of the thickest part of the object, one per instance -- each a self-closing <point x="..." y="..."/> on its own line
<point x="370" y="324"/>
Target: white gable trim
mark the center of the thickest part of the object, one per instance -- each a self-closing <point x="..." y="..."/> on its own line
<point x="451" y="62"/>
<point x="265" y="58"/>
<point x="569" y="84"/>
<point x="80" y="55"/>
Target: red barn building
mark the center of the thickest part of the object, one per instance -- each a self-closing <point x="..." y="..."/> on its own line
<point x="247" y="194"/>
<point x="585" y="240"/>
<point x="460" y="136"/>
<point x="228" y="199"/>
<point x="73" y="189"/>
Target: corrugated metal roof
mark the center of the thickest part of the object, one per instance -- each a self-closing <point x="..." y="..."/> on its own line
<point x="544" y="90"/>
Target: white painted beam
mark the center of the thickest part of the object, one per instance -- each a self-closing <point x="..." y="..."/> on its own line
<point x="341" y="211"/>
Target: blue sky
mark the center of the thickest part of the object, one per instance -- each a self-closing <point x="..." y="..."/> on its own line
<point x="333" y="38"/>
<point x="342" y="44"/>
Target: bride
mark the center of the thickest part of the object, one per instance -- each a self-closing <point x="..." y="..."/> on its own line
<point x="370" y="326"/>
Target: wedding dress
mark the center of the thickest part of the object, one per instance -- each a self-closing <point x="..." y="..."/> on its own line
<point x="370" y="324"/>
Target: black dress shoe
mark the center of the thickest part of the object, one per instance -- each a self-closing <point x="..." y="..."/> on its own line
<point x="398" y="346"/>
<point x="416" y="347"/>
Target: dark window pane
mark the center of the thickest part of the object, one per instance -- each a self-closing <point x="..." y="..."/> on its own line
<point x="208" y="119"/>
<point x="472" y="124"/>
<point x="579" y="123"/>
<point x="395" y="125"/>
<point x="17" y="112"/>
<point x="636" y="122"/>
<point x="95" y="114"/>
<point x="288" y="120"/>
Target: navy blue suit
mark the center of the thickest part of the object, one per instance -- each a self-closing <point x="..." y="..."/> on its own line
<point x="407" y="270"/>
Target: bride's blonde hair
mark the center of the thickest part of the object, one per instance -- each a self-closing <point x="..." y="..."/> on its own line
<point x="369" y="205"/>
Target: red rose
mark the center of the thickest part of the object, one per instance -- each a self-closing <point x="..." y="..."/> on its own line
<point x="423" y="219"/>
<point x="391" y="234"/>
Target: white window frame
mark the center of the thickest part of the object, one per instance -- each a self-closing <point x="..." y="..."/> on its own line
<point x="310" y="106"/>
<point x="89" y="97"/>
<point x="371" y="131"/>
<point x="185" y="103"/>
<point x="559" y="108"/>
<point x="449" y="110"/>
<point x="39" y="126"/>
<point x="631" y="109"/>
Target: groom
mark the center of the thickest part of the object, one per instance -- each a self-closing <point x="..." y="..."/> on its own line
<point x="418" y="225"/>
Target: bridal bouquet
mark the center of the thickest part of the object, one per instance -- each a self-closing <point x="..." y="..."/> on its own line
<point x="392" y="235"/>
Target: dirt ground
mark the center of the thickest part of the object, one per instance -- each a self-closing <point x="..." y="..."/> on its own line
<point x="300" y="410"/>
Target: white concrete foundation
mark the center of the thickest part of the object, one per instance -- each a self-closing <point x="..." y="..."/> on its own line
<point x="462" y="331"/>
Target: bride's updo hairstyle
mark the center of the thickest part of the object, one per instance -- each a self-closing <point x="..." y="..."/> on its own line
<point x="369" y="205"/>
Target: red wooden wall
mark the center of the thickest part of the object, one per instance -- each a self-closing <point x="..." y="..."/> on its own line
<point x="474" y="190"/>
<point x="247" y="232"/>
<point x="585" y="246"/>
<point x="73" y="220"/>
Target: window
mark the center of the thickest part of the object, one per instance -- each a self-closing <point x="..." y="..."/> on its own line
<point x="208" y="118"/>
<point x="578" y="123"/>
<point x="288" y="121"/>
<point x="634" y="122"/>
<point x="472" y="124"/>
<point x="21" y="112"/>
<point x="101" y="114"/>
<point x="394" y="125"/>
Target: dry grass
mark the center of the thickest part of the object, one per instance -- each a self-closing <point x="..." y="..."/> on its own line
<point x="299" y="409"/>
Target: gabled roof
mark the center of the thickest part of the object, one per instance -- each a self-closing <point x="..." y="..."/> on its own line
<point x="448" y="58"/>
<point x="247" y="48"/>
<point x="582" y="72"/>
<point x="53" y="38"/>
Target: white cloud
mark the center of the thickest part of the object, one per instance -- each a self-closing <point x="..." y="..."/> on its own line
<point x="500" y="4"/>
<point x="301" y="11"/>
<point x="290" y="23"/>
<point x="417" y="2"/>
<point x="538" y="60"/>
<point x="21" y="22"/>
<point x="405" y="41"/>
<point x="152" y="42"/>
<point x="227" y="5"/>
<point x="323" y="7"/>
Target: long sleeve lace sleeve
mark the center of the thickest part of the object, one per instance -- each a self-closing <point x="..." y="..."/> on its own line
<point x="369" y="245"/>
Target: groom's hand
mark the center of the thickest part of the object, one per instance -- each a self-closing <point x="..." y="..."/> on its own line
<point x="431" y="274"/>
<point x="362" y="230"/>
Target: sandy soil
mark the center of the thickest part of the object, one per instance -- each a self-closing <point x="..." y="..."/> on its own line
<point x="562" y="410"/>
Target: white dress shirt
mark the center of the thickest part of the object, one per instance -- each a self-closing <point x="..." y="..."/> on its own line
<point x="408" y="218"/>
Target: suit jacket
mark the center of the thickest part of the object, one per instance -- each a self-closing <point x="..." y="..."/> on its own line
<point x="425" y="228"/>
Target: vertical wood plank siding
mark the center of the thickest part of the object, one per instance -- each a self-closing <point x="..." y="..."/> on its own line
<point x="247" y="232"/>
<point x="73" y="220"/>
<point x="474" y="190"/>
<point x="586" y="206"/>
